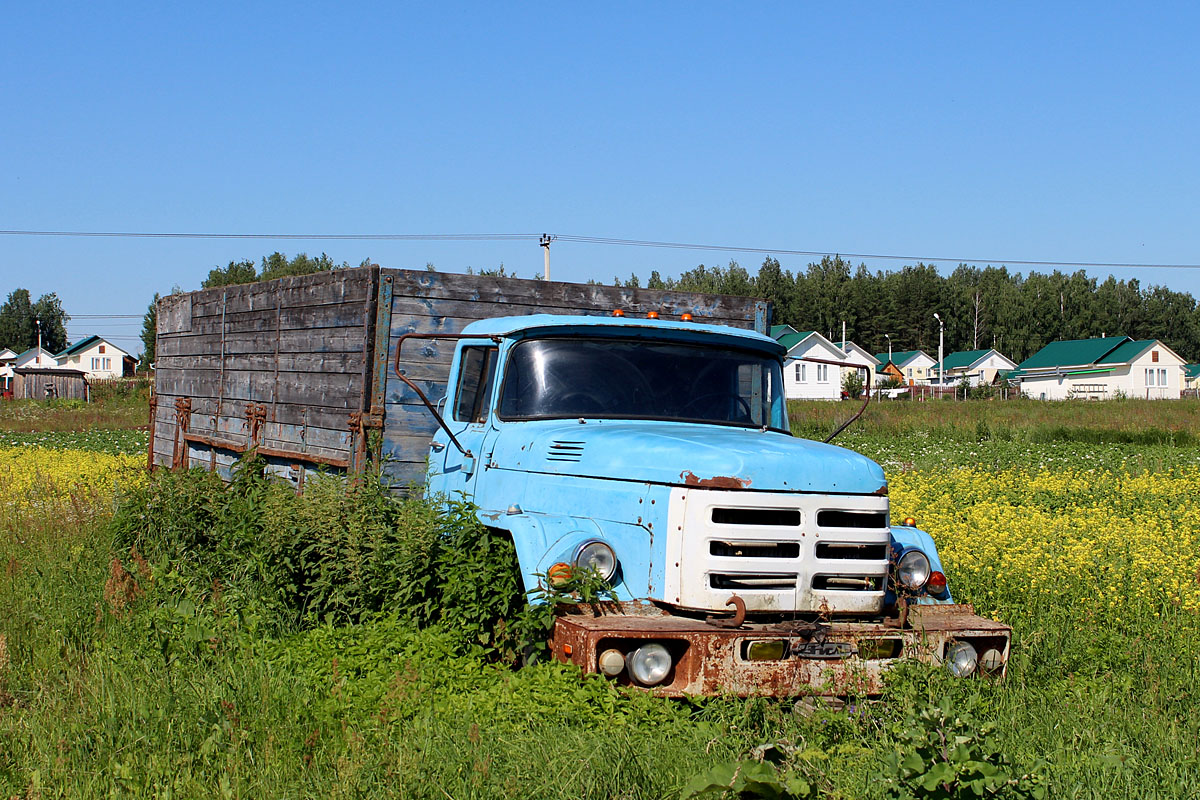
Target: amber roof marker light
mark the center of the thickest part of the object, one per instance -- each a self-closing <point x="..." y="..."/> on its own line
<point x="618" y="312"/>
<point x="685" y="317"/>
<point x="652" y="315"/>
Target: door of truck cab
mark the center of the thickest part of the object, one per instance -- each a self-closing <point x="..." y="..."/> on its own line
<point x="466" y="409"/>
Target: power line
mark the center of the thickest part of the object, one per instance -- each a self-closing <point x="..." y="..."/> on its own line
<point x="600" y="240"/>
<point x="384" y="237"/>
<point x="874" y="256"/>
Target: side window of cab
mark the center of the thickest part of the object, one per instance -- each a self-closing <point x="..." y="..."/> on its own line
<point x="476" y="374"/>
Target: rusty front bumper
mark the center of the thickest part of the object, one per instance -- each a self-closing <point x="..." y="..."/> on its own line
<point x="835" y="658"/>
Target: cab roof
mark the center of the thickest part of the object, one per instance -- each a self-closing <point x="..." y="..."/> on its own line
<point x="560" y="323"/>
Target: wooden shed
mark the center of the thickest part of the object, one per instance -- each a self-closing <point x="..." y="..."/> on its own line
<point x="49" y="383"/>
<point x="302" y="368"/>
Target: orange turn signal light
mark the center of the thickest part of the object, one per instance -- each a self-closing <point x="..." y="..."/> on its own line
<point x="559" y="574"/>
<point x="652" y="315"/>
<point x="685" y="317"/>
<point x="937" y="583"/>
<point x="910" y="522"/>
<point x="618" y="312"/>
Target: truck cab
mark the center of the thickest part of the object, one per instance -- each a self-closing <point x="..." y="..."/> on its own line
<point x="743" y="559"/>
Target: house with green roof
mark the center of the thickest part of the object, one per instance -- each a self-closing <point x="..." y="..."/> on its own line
<point x="1096" y="369"/>
<point x="915" y="365"/>
<point x="812" y="368"/>
<point x="977" y="367"/>
<point x="1191" y="377"/>
<point x="860" y="361"/>
<point x="98" y="358"/>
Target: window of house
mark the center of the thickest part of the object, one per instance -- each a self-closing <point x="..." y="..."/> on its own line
<point x="799" y="372"/>
<point x="1154" y="356"/>
<point x="102" y="351"/>
<point x="1149" y="377"/>
<point x="910" y="372"/>
<point x="101" y="364"/>
<point x="822" y="373"/>
<point x="804" y="372"/>
<point x="1162" y="377"/>
<point x="475" y="378"/>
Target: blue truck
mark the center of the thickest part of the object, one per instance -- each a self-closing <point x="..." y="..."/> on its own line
<point x="658" y="455"/>
<point x="631" y="435"/>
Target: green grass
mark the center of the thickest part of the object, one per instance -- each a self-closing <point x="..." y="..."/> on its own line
<point x="1101" y="422"/>
<point x="199" y="685"/>
<point x="117" y="405"/>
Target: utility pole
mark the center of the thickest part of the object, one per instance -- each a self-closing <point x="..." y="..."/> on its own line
<point x="888" y="336"/>
<point x="545" y="243"/>
<point x="941" y="357"/>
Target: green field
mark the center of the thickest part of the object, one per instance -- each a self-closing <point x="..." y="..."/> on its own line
<point x="263" y="645"/>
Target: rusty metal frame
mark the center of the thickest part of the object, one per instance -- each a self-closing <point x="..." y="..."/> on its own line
<point x="707" y="659"/>
<point x="433" y="410"/>
<point x="183" y="420"/>
<point x="153" y="415"/>
<point x="271" y="452"/>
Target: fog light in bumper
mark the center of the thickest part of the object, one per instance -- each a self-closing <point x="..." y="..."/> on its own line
<point x="649" y="664"/>
<point x="991" y="661"/>
<point x="612" y="663"/>
<point x="961" y="659"/>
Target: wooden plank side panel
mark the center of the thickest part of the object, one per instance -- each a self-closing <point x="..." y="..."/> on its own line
<point x="328" y="340"/>
<point x="294" y="345"/>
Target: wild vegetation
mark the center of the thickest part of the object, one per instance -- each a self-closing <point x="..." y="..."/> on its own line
<point x="242" y="641"/>
<point x="116" y="405"/>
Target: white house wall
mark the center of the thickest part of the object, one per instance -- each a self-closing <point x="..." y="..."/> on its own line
<point x="97" y="365"/>
<point x="1129" y="380"/>
<point x="1168" y="366"/>
<point x="920" y="368"/>
<point x="805" y="380"/>
<point x="853" y="356"/>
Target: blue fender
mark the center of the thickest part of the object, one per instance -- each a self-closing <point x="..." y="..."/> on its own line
<point x="905" y="538"/>
<point x="543" y="540"/>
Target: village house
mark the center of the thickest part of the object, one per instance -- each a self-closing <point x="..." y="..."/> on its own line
<point x="1102" y="368"/>
<point x="7" y="357"/>
<point x="856" y="356"/>
<point x="915" y="365"/>
<point x="35" y="357"/>
<point x="1191" y="377"/>
<point x="977" y="367"/>
<point x="808" y="380"/>
<point x="98" y="358"/>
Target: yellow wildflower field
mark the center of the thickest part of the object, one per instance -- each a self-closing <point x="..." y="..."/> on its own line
<point x="35" y="477"/>
<point x="1102" y="539"/>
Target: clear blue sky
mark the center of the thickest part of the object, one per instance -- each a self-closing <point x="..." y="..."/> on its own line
<point x="991" y="131"/>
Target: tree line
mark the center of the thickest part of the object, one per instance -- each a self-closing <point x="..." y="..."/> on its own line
<point x="981" y="307"/>
<point x="21" y="318"/>
<point x="985" y="307"/>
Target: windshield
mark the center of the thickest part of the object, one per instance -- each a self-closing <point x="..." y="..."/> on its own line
<point x="640" y="379"/>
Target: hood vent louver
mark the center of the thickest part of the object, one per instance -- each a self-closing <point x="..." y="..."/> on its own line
<point x="565" y="451"/>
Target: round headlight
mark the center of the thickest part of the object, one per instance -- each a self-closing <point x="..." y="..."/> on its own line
<point x="649" y="664"/>
<point x="913" y="570"/>
<point x="961" y="659"/>
<point x="598" y="556"/>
